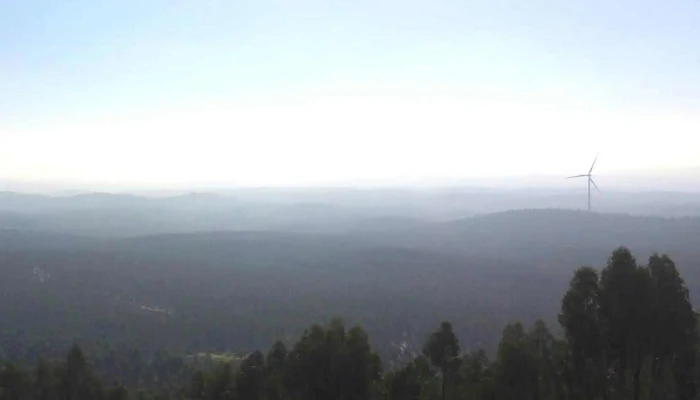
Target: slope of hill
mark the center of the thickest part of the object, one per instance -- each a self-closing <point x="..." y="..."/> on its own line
<point x="223" y="291"/>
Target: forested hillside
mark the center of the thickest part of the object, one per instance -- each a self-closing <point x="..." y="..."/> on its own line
<point x="228" y="277"/>
<point x="237" y="291"/>
<point x="628" y="332"/>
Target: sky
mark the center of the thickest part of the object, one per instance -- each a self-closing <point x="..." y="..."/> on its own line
<point x="167" y="93"/>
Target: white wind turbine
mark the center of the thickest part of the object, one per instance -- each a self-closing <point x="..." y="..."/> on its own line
<point x="590" y="180"/>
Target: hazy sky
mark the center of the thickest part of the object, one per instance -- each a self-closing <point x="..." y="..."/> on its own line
<point x="288" y="92"/>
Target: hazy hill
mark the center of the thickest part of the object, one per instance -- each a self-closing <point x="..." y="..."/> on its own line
<point x="537" y="234"/>
<point x="242" y="289"/>
<point x="296" y="210"/>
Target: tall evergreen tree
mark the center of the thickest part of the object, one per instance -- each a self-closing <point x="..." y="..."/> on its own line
<point x="78" y="381"/>
<point x="330" y="363"/>
<point x="412" y="382"/>
<point x="442" y="349"/>
<point x="14" y="384"/>
<point x="252" y="377"/>
<point x="517" y="374"/>
<point x="276" y="364"/>
<point x="625" y="312"/>
<point x="673" y="328"/>
<point x="580" y="320"/>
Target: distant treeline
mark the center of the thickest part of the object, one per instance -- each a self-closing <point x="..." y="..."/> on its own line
<point x="630" y="332"/>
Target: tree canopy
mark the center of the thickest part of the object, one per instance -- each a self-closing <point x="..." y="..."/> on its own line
<point x="629" y="331"/>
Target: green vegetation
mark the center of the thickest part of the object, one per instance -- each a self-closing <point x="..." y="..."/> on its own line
<point x="234" y="292"/>
<point x="629" y="332"/>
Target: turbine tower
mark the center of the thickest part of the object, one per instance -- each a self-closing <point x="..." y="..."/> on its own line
<point x="590" y="180"/>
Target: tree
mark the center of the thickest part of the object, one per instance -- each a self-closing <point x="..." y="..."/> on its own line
<point x="625" y="312"/>
<point x="580" y="320"/>
<point x="541" y="342"/>
<point x="78" y="381"/>
<point x="330" y="363"/>
<point x="476" y="379"/>
<point x="563" y="375"/>
<point x="221" y="387"/>
<point x="252" y="377"/>
<point x="674" y="327"/>
<point x="45" y="382"/>
<point x="442" y="349"/>
<point x="412" y="382"/>
<point x="517" y="374"/>
<point x="276" y="363"/>
<point x="634" y="325"/>
<point x="118" y="393"/>
<point x="14" y="384"/>
<point x="195" y="391"/>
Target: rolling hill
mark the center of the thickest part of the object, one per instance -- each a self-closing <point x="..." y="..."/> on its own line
<point x="239" y="290"/>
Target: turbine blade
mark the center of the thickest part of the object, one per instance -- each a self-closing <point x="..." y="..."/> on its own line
<point x="576" y="176"/>
<point x="596" y="186"/>
<point x="593" y="165"/>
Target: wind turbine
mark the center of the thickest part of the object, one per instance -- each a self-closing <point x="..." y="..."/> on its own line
<point x="590" y="180"/>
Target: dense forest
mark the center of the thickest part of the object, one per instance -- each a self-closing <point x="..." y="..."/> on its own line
<point x="628" y="332"/>
<point x="160" y="294"/>
<point x="235" y="291"/>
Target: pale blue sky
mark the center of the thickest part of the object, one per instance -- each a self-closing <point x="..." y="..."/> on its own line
<point x="264" y="92"/>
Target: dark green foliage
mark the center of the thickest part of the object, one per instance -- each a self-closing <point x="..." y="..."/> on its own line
<point x="251" y="379"/>
<point x="442" y="349"/>
<point x="674" y="329"/>
<point x="629" y="332"/>
<point x="516" y="371"/>
<point x="411" y="382"/>
<point x="624" y="329"/>
<point x="72" y="379"/>
<point x="240" y="291"/>
<point x="276" y="367"/>
<point x="14" y="383"/>
<point x="118" y="393"/>
<point x="580" y="320"/>
<point x="332" y="363"/>
<point x="476" y="377"/>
